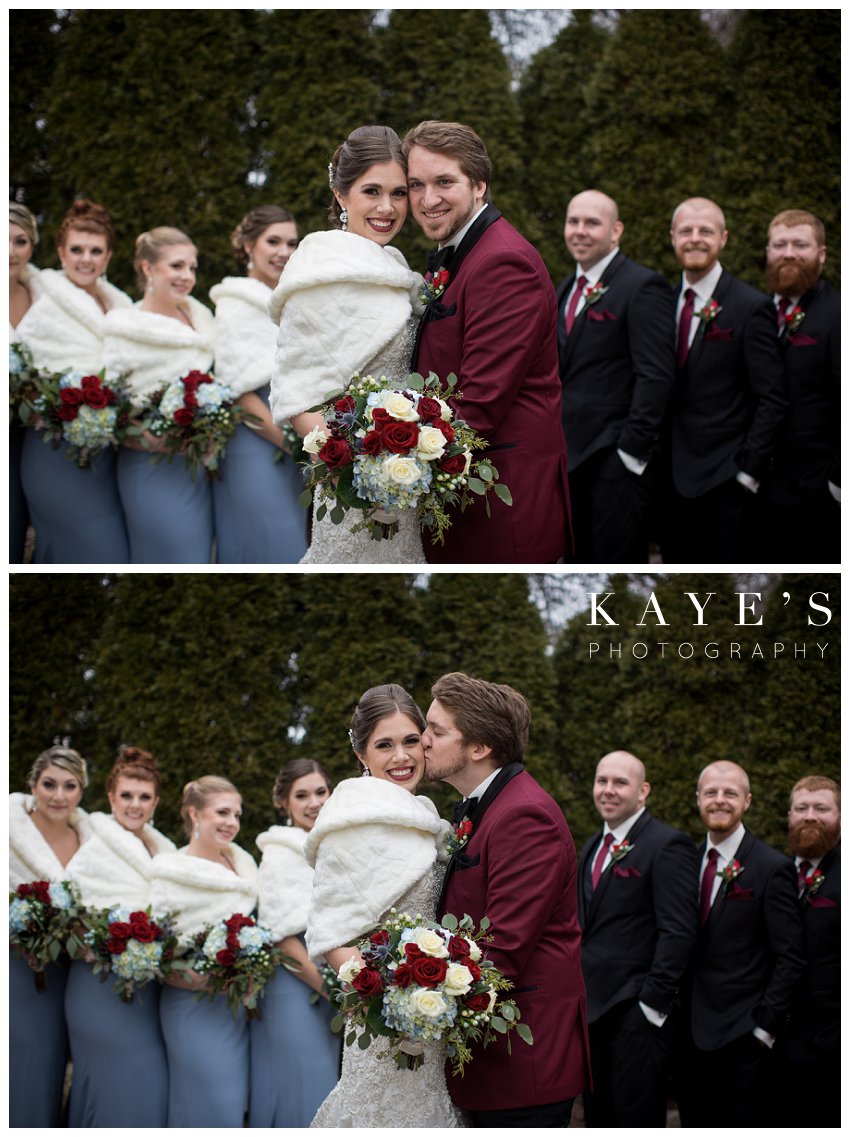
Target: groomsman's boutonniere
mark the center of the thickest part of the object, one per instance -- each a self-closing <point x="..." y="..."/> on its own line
<point x="813" y="881"/>
<point x="434" y="285"/>
<point x="594" y="292"/>
<point x="708" y="313"/>
<point x="794" y="318"/>
<point x="459" y="837"/>
<point x="732" y="871"/>
<point x="620" y="851"/>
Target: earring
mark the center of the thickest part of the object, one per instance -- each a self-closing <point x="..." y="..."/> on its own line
<point x="367" y="773"/>
<point x="32" y="804"/>
<point x="288" y="820"/>
<point x="250" y="263"/>
<point x="343" y="218"/>
<point x="197" y="833"/>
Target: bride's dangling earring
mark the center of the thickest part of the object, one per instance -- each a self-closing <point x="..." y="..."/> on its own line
<point x="367" y="773"/>
<point x="343" y="218"/>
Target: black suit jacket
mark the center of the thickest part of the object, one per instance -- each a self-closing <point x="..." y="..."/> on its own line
<point x="639" y="927"/>
<point x="814" y="1025"/>
<point x="618" y="364"/>
<point x="807" y="453"/>
<point x="749" y="954"/>
<point x="729" y="401"/>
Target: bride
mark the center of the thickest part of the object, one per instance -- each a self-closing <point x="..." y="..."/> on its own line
<point x="346" y="304"/>
<point x="376" y="846"/>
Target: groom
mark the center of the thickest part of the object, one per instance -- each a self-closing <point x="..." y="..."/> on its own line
<point x="494" y="326"/>
<point x="518" y="868"/>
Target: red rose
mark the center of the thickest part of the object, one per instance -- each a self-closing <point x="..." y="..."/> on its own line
<point x="446" y="431"/>
<point x="368" y="982"/>
<point x="403" y="975"/>
<point x="378" y="939"/>
<point x="336" y="453"/>
<point x="380" y="416"/>
<point x="194" y="378"/>
<point x="120" y="931"/>
<point x="345" y="405"/>
<point x="24" y="890"/>
<point x="400" y="437"/>
<point x="96" y="397"/>
<point x="428" y="971"/>
<point x="90" y="381"/>
<point x="225" y="958"/>
<point x="373" y="444"/>
<point x="478" y="1002"/>
<point x="190" y="399"/>
<point x="138" y="917"/>
<point x="474" y="970"/>
<point x="116" y="947"/>
<point x="458" y="948"/>
<point x="413" y="951"/>
<point x="144" y="933"/>
<point x="71" y="396"/>
<point x="455" y="464"/>
<point x="184" y="416"/>
<point x="42" y="890"/>
<point x="67" y="414"/>
<point x="430" y="410"/>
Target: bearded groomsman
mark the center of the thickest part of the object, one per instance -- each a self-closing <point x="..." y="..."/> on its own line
<point x="749" y="958"/>
<point x="808" y="1053"/>
<point x="729" y="400"/>
<point x="637" y="903"/>
<point x="800" y="513"/>
<point x="617" y="369"/>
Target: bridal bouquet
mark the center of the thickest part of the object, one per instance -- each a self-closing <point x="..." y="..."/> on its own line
<point x="86" y="411"/>
<point x="419" y="982"/>
<point x="196" y="416"/>
<point x="130" y="945"/>
<point x="237" y="957"/>
<point x="385" y="449"/>
<point x="41" y="915"/>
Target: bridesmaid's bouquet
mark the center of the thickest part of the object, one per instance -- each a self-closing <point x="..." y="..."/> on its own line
<point x="86" y="411"/>
<point x="22" y="376"/>
<point x="130" y="945"/>
<point x="385" y="449"/>
<point x="41" y="916"/>
<point x="237" y="957"/>
<point x="196" y="416"/>
<point x="420" y="982"/>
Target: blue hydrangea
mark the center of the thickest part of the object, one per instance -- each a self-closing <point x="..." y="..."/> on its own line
<point x="373" y="482"/>
<point x="139" y="962"/>
<point x="400" y="1014"/>
<point x="94" y="428"/>
<point x="253" y="939"/>
<point x="20" y="914"/>
<point x="60" y="896"/>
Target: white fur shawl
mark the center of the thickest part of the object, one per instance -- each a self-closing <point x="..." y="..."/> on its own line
<point x="114" y="867"/>
<point x="244" y="334"/>
<point x="340" y="301"/>
<point x="286" y="880"/>
<point x="65" y="326"/>
<point x="30" y="856"/>
<point x="151" y="350"/>
<point x="198" y="892"/>
<point x="32" y="279"/>
<point x="371" y="842"/>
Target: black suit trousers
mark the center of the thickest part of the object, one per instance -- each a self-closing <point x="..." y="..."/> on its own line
<point x="724" y="1088"/>
<point x="710" y="528"/>
<point x="554" y="1116"/>
<point x="629" y="1058"/>
<point x="610" y="510"/>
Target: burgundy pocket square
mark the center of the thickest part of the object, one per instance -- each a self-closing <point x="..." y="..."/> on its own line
<point x="719" y="334"/>
<point x="600" y="314"/>
<point x="799" y="340"/>
<point x="821" y="902"/>
<point x="618" y="871"/>
<point x="739" y="894"/>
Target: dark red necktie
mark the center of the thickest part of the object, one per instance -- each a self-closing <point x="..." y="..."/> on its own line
<point x="600" y="859"/>
<point x="782" y="309"/>
<point x="685" y="327"/>
<point x="573" y="304"/>
<point x="707" y="885"/>
<point x="802" y="873"/>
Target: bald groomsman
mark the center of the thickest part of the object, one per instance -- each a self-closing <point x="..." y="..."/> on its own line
<point x="729" y="401"/>
<point x="748" y="961"/>
<point x="617" y="370"/>
<point x="638" y="914"/>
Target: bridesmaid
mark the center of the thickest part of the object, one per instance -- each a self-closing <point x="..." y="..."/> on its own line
<point x="76" y="513"/>
<point x="117" y="1050"/>
<point x="258" y="519"/>
<point x="46" y="833"/>
<point x="208" y="880"/>
<point x="23" y="291"/>
<point x="163" y="337"/>
<point x="294" y="1056"/>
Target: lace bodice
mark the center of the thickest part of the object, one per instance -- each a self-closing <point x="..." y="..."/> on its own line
<point x="337" y="544"/>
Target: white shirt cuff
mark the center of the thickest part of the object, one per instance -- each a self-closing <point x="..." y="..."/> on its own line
<point x="631" y="463"/>
<point x="763" y="1036"/>
<point x="835" y="491"/>
<point x="653" y="1016"/>
<point x="748" y="482"/>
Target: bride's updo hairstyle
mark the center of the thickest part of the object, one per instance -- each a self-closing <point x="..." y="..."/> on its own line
<point x="134" y="763"/>
<point x="63" y="757"/>
<point x="21" y="216"/>
<point x="365" y="147"/>
<point x="289" y="774"/>
<point x="379" y="703"/>
<point x="198" y="793"/>
<point x="253" y="225"/>
<point x="151" y="246"/>
<point x="89" y="217"/>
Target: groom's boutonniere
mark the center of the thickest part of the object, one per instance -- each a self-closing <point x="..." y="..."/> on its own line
<point x="730" y="873"/>
<point x="794" y="318"/>
<point x="710" y="312"/>
<point x="813" y="881"/>
<point x="594" y="292"/>
<point x="620" y="851"/>
<point x="434" y="285"/>
<point x="457" y="839"/>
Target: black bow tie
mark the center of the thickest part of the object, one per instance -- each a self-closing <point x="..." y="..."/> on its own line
<point x="439" y="257"/>
<point x="462" y="809"/>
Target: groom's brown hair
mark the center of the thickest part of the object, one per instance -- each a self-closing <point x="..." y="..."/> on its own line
<point x="457" y="141"/>
<point x="492" y="713"/>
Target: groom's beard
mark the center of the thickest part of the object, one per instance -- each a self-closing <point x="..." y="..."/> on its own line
<point x="440" y="773"/>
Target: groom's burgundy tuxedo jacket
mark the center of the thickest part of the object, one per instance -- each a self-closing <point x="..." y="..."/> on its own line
<point x="519" y="869"/>
<point x="495" y="327"/>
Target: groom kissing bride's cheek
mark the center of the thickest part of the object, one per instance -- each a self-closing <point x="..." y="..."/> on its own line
<point x="493" y="324"/>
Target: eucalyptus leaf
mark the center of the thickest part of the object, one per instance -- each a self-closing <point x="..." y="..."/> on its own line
<point x="525" y="1034"/>
<point x="476" y="485"/>
<point x="499" y="1024"/>
<point x="503" y="494"/>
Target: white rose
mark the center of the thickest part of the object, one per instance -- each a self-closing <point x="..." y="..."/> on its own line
<point x="474" y="950"/>
<point x="431" y="942"/>
<point x="350" y="969"/>
<point x="431" y="445"/>
<point x="424" y="1001"/>
<point x="458" y="979"/>
<point x="445" y="410"/>
<point x="400" y="470"/>
<point x="398" y="406"/>
<point x="315" y="440"/>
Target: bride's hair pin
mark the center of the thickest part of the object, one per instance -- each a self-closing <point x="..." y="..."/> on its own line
<point x="351" y="737"/>
<point x="331" y="174"/>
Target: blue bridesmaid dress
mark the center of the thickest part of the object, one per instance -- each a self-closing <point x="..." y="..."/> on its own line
<point x="18" y="512"/>
<point x="294" y="1055"/>
<point x="169" y="516"/>
<point x="258" y="519"/>
<point x="38" y="1045"/>
<point x="208" y="1061"/>
<point x="76" y="513"/>
<point x="118" y="1054"/>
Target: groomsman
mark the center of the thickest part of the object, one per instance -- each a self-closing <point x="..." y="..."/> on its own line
<point x="748" y="961"/>
<point x="809" y="1050"/>
<point x="492" y="325"/>
<point x="638" y="912"/>
<point x="801" y="517"/>
<point x="729" y="400"/>
<point x="617" y="368"/>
